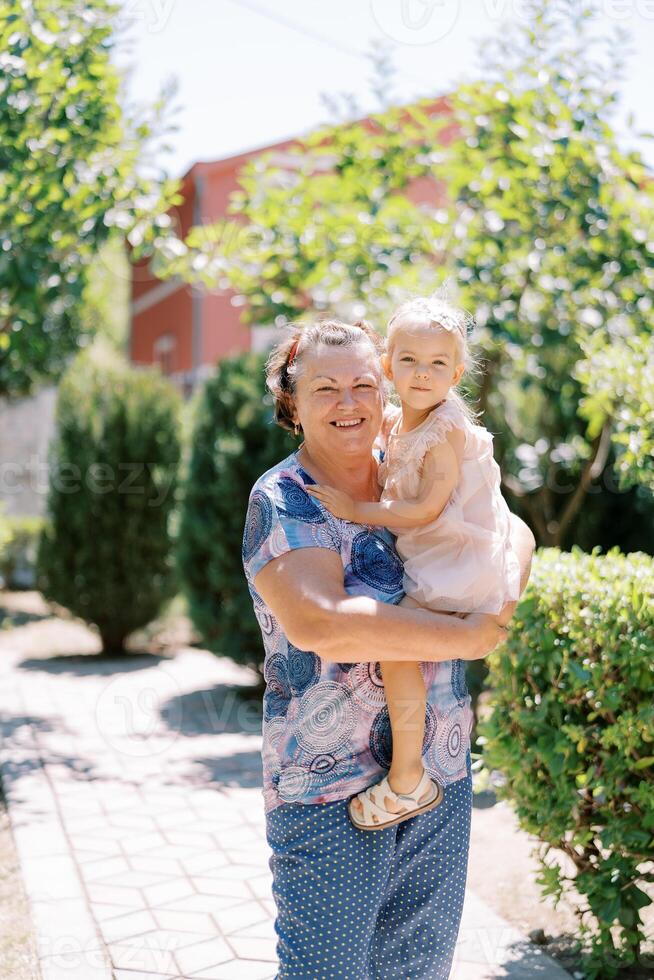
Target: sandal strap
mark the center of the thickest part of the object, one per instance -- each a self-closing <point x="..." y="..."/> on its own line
<point x="383" y="789"/>
<point x="424" y="784"/>
<point x="370" y="807"/>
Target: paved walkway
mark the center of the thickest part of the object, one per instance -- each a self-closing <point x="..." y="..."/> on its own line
<point x="133" y="791"/>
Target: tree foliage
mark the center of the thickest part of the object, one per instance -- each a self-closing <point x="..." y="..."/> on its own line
<point x="106" y="548"/>
<point x="552" y="243"/>
<point x="329" y="227"/>
<point x="619" y="384"/>
<point x="69" y="177"/>
<point x="517" y="187"/>
<point x="234" y="441"/>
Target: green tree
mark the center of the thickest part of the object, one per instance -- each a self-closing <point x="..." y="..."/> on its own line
<point x="234" y="441"/>
<point x="619" y="384"/>
<point x="550" y="241"/>
<point x="70" y="177"/>
<point x="537" y="213"/>
<point x="106" y="549"/>
<point x="330" y="229"/>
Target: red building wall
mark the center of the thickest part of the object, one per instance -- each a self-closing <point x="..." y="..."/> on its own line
<point x="185" y="329"/>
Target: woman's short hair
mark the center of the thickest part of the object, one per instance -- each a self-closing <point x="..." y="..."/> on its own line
<point x="281" y="375"/>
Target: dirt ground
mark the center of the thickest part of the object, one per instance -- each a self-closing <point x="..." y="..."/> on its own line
<point x="18" y="960"/>
<point x="502" y="869"/>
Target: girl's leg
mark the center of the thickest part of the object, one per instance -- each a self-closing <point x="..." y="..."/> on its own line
<point x="329" y="882"/>
<point x="406" y="699"/>
<point x="418" y="923"/>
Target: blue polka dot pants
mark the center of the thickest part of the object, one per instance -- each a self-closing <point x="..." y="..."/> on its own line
<point x="369" y="905"/>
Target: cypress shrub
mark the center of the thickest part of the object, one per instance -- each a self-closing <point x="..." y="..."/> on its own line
<point x="234" y="441"/>
<point x="106" y="549"/>
<point x="572" y="730"/>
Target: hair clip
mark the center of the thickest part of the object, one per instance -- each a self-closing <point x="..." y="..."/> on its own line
<point x="292" y="353"/>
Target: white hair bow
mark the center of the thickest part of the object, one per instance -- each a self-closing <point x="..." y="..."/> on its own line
<point x="440" y="309"/>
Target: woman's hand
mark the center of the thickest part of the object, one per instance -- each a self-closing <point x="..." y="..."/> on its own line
<point x="340" y="504"/>
<point x="488" y="634"/>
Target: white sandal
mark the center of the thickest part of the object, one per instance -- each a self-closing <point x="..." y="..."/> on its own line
<point x="386" y="817"/>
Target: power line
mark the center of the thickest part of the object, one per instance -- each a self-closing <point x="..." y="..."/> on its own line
<point x="312" y="35"/>
<point x="298" y="28"/>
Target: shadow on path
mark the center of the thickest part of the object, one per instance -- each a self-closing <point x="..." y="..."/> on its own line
<point x="89" y="664"/>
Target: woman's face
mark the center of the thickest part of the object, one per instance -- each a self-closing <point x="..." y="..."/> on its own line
<point x="339" y="400"/>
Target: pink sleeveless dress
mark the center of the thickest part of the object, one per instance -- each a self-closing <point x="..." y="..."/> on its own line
<point x="463" y="561"/>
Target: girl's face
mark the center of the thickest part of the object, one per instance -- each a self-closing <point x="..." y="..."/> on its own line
<point x="339" y="400"/>
<point x="423" y="363"/>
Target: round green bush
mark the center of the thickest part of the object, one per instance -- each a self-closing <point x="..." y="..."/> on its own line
<point x="234" y="441"/>
<point x="572" y="730"/>
<point x="19" y="537"/>
<point x="106" y="552"/>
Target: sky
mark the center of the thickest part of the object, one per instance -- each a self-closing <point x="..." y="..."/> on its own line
<point x="252" y="72"/>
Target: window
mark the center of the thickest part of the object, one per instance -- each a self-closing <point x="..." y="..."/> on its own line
<point x="164" y="348"/>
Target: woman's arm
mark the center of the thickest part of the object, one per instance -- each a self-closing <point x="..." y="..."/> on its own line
<point x="304" y="590"/>
<point x="440" y="475"/>
<point x="523" y="543"/>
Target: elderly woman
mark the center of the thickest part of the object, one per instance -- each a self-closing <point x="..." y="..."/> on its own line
<point x="326" y="593"/>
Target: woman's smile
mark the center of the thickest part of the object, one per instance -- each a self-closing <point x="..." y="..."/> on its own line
<point x="354" y="423"/>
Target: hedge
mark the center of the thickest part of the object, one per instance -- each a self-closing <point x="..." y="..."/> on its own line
<point x="572" y="730"/>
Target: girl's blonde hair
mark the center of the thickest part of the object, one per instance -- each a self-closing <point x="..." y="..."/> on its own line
<point x="286" y="357"/>
<point x="437" y="312"/>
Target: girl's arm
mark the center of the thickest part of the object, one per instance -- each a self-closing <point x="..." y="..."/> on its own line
<point x="440" y="475"/>
<point x="304" y="590"/>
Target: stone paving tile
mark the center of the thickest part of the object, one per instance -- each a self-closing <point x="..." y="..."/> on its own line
<point x="260" y="930"/>
<point x="143" y="959"/>
<point x="190" y="838"/>
<point x="242" y="915"/>
<point x="152" y="871"/>
<point x="152" y="862"/>
<point x="237" y="970"/>
<point x="119" y="928"/>
<point x="63" y="966"/>
<point x="128" y="898"/>
<point x="139" y="975"/>
<point x="166" y="891"/>
<point x="170" y="940"/>
<point x="83" y="856"/>
<point x="232" y="887"/>
<point x="197" y="922"/>
<point x="102" y="912"/>
<point x="134" y="821"/>
<point x="103" y="869"/>
<point x="204" y="955"/>
<point x="261" y="885"/>
<point x="98" y="844"/>
<point x="249" y="947"/>
<point x="200" y="903"/>
<point x="180" y="852"/>
<point x="205" y="863"/>
<point x="136" y="879"/>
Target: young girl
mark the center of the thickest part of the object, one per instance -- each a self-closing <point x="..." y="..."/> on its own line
<point x="441" y="497"/>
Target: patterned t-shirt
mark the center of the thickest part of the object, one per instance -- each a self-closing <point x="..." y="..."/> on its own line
<point x="326" y="727"/>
